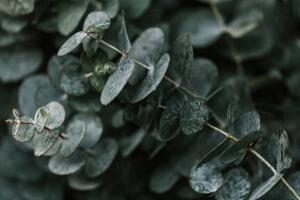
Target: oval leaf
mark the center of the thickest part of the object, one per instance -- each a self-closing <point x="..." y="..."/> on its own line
<point x="117" y="80"/>
<point x="152" y="80"/>
<point x="73" y="42"/>
<point x="101" y="158"/>
<point x="206" y="179"/>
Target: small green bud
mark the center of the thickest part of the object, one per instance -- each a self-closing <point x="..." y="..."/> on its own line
<point x="98" y="82"/>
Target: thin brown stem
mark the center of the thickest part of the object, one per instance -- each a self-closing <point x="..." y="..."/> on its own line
<point x="260" y="157"/>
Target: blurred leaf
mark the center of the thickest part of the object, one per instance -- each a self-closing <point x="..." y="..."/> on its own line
<point x="101" y="158"/>
<point x="236" y="186"/>
<point x="17" y="7"/>
<point x="63" y="166"/>
<point x="201" y="25"/>
<point x="70" y="15"/>
<point x="74" y="134"/>
<point x="130" y="142"/>
<point x="18" y="62"/>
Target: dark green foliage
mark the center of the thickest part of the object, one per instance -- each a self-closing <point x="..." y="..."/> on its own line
<point x="149" y="99"/>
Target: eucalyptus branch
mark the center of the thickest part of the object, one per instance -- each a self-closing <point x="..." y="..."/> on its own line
<point x="18" y="121"/>
<point x="259" y="156"/>
<point x="240" y="69"/>
<point x="167" y="78"/>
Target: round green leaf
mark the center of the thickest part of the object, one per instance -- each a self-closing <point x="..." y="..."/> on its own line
<point x="74" y="135"/>
<point x="129" y="143"/>
<point x="206" y="179"/>
<point x="163" y="179"/>
<point x="18" y="62"/>
<point x="56" y="115"/>
<point x="56" y="65"/>
<point x="101" y="158"/>
<point x="73" y="81"/>
<point x="147" y="49"/>
<point x="70" y="15"/>
<point x="134" y="8"/>
<point x="73" y="42"/>
<point x="193" y="116"/>
<point x="64" y="166"/>
<point x="17" y="7"/>
<point x="201" y="25"/>
<point x="152" y="80"/>
<point x="27" y="93"/>
<point x="93" y="131"/>
<point x="40" y="119"/>
<point x="44" y="141"/>
<point x="117" y="80"/>
<point x="81" y="183"/>
<point x="236" y="186"/>
<point x="98" y="82"/>
<point x="23" y="132"/>
<point x="201" y="77"/>
<point x="247" y="123"/>
<point x="96" y="22"/>
<point x="87" y="103"/>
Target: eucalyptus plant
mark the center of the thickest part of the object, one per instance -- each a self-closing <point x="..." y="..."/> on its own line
<point x="149" y="99"/>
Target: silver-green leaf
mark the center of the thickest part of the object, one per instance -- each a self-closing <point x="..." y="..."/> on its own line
<point x="117" y="80"/>
<point x="73" y="42"/>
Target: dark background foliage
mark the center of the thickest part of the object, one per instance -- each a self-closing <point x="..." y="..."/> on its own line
<point x="170" y="143"/>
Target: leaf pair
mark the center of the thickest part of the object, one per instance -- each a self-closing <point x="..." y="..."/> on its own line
<point x="95" y="23"/>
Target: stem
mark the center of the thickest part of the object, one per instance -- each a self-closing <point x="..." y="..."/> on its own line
<point x="240" y="69"/>
<point x="235" y="56"/>
<point x="260" y="157"/>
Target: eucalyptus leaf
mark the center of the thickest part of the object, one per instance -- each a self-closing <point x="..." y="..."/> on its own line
<point x="200" y="77"/>
<point x="16" y="8"/>
<point x="236" y="186"/>
<point x="70" y="15"/>
<point x="18" y="62"/>
<point x="238" y="149"/>
<point x="206" y="179"/>
<point x="44" y="141"/>
<point x="96" y="21"/>
<point x="154" y="76"/>
<point x="101" y="158"/>
<point x="82" y="183"/>
<point x="40" y="119"/>
<point x="147" y="49"/>
<point x="74" y="134"/>
<point x="265" y="187"/>
<point x="27" y="93"/>
<point x="193" y="116"/>
<point x="117" y="80"/>
<point x="281" y="152"/>
<point x="129" y="143"/>
<point x="23" y="132"/>
<point x="93" y="131"/>
<point x="163" y="179"/>
<point x="64" y="166"/>
<point x="73" y="81"/>
<point x="201" y="25"/>
<point x="135" y="8"/>
<point x="56" y="115"/>
<point x="73" y="42"/>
